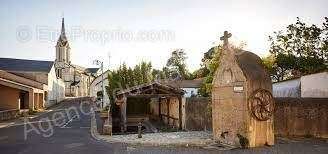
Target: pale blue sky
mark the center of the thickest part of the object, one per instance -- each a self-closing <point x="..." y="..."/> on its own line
<point x="195" y="25"/>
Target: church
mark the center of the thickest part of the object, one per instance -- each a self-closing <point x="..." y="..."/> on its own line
<point x="77" y="79"/>
<point x="27" y="84"/>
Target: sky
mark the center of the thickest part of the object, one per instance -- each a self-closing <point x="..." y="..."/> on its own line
<point x="132" y="31"/>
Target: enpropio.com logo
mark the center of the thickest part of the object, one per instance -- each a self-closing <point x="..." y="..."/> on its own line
<point x="23" y="33"/>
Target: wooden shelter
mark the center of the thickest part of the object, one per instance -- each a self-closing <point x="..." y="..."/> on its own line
<point x="152" y="90"/>
<point x="242" y="103"/>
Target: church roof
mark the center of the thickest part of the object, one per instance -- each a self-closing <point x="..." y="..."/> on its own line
<point x="11" y="64"/>
<point x="252" y="66"/>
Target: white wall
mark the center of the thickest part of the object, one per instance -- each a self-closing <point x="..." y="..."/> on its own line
<point x="56" y="88"/>
<point x="189" y="91"/>
<point x="289" y="88"/>
<point x="315" y="85"/>
<point x="96" y="86"/>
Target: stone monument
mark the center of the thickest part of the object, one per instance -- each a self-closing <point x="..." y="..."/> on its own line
<point x="242" y="102"/>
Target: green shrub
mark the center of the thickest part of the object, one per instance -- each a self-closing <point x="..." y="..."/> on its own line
<point x="244" y="142"/>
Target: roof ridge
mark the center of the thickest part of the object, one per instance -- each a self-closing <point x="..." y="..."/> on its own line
<point x="26" y="59"/>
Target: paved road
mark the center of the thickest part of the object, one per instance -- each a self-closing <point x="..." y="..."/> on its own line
<point x="70" y="133"/>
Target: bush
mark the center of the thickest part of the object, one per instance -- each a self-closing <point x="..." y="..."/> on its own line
<point x="244" y="142"/>
<point x="31" y="112"/>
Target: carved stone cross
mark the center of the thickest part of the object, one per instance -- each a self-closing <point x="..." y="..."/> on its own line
<point x="225" y="37"/>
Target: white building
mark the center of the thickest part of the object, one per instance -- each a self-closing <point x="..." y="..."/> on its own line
<point x="96" y="85"/>
<point x="190" y="87"/>
<point x="313" y="85"/>
<point x="40" y="71"/>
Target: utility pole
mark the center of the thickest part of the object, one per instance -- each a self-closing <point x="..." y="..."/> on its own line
<point x="98" y="62"/>
<point x="109" y="56"/>
<point x="102" y="84"/>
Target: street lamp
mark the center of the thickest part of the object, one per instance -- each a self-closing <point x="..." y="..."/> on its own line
<point x="101" y="64"/>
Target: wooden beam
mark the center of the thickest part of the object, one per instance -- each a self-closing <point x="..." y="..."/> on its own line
<point x="153" y="95"/>
<point x="170" y="117"/>
<point x="123" y="115"/>
<point x="168" y="110"/>
<point x="159" y="110"/>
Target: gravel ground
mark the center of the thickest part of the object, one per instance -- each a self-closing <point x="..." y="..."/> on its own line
<point x="182" y="143"/>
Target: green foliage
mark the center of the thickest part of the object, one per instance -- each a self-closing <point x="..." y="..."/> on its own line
<point x="243" y="141"/>
<point x="300" y="49"/>
<point x="176" y="65"/>
<point x="125" y="77"/>
<point x="158" y="74"/>
<point x="210" y="63"/>
<point x="32" y="112"/>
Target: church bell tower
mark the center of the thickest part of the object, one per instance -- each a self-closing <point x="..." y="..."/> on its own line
<point x="62" y="47"/>
<point x="63" y="55"/>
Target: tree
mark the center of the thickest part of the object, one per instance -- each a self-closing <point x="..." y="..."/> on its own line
<point x="131" y="77"/>
<point x="137" y="74"/>
<point x="300" y="49"/>
<point x="125" y="77"/>
<point x="176" y="65"/>
<point x="146" y="70"/>
<point x="210" y="62"/>
<point x="158" y="74"/>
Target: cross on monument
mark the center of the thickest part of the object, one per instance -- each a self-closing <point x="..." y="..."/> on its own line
<point x="225" y="37"/>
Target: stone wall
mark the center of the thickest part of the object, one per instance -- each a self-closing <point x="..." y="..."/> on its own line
<point x="9" y="114"/>
<point x="301" y="117"/>
<point x="198" y="115"/>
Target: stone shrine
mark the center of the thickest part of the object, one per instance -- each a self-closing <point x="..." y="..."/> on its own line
<point x="242" y="102"/>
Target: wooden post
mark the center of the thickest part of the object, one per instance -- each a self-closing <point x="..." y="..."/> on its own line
<point x="168" y="110"/>
<point x="31" y="100"/>
<point x="180" y="113"/>
<point x="123" y="114"/>
<point x="159" y="110"/>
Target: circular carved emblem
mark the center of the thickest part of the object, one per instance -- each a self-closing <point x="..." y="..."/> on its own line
<point x="261" y="104"/>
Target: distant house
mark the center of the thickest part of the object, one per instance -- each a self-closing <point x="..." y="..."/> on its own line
<point x="96" y="85"/>
<point x="190" y="87"/>
<point x="313" y="85"/>
<point x="42" y="72"/>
